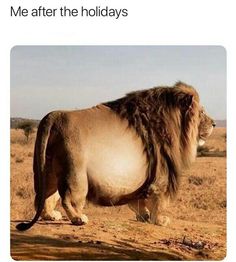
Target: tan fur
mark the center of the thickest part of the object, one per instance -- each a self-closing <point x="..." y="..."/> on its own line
<point x="131" y="150"/>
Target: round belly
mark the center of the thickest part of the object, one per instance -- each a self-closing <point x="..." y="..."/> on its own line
<point x="116" y="166"/>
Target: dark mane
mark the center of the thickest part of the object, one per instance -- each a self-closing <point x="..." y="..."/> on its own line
<point x="162" y="117"/>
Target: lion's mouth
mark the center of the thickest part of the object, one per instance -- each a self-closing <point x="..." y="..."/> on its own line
<point x="201" y="142"/>
<point x="204" y="136"/>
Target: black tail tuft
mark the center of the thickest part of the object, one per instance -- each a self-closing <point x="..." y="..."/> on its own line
<point x="23" y="226"/>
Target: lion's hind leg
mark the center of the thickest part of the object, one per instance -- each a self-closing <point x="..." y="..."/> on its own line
<point x="73" y="206"/>
<point x="51" y="198"/>
<point x="49" y="212"/>
<point x="73" y="189"/>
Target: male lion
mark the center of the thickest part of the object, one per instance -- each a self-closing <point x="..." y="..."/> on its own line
<point x="130" y="150"/>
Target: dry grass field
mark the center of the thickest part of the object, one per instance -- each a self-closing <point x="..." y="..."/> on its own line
<point x="198" y="215"/>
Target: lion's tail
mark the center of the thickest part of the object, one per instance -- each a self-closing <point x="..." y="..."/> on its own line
<point x="43" y="134"/>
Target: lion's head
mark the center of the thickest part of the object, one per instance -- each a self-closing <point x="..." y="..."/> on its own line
<point x="171" y="123"/>
<point x="205" y="127"/>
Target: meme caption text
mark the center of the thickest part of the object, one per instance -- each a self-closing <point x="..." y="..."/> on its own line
<point x="64" y="11"/>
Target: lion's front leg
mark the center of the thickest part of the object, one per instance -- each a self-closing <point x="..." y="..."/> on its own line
<point x="156" y="204"/>
<point x="150" y="210"/>
<point x="140" y="209"/>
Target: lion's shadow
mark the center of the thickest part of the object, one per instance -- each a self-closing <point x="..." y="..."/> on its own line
<point x="29" y="247"/>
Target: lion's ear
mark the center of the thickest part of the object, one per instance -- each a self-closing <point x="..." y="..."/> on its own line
<point x="185" y="101"/>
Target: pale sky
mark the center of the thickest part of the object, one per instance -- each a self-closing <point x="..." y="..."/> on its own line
<point x="47" y="78"/>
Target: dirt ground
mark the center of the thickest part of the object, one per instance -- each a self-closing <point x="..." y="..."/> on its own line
<point x="198" y="217"/>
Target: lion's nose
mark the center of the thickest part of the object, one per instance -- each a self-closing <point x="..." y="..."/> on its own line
<point x="213" y="124"/>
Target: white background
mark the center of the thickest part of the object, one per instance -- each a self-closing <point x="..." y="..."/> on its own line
<point x="153" y="22"/>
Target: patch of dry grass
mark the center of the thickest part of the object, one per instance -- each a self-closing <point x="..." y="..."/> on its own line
<point x="202" y="194"/>
<point x="217" y="141"/>
<point x="19" y="160"/>
<point x="18" y="137"/>
<point x="22" y="193"/>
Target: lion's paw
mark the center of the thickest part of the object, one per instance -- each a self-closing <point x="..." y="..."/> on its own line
<point x="79" y="221"/>
<point x="143" y="218"/>
<point x="162" y="221"/>
<point x="54" y="215"/>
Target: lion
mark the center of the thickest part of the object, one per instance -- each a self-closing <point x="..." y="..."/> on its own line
<point x="128" y="151"/>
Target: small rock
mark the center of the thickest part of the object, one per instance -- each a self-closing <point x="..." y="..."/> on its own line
<point x="66" y="237"/>
<point x="202" y="254"/>
<point x="187" y="242"/>
<point x="199" y="245"/>
<point x="166" y="241"/>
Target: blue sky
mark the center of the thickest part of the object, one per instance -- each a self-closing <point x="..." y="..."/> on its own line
<point x="46" y="78"/>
